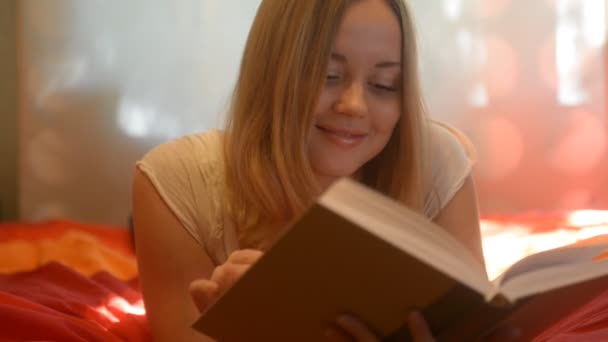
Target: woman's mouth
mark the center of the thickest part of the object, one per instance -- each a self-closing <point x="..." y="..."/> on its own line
<point x="342" y="136"/>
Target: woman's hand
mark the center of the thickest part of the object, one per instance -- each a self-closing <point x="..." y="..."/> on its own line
<point x="205" y="291"/>
<point x="350" y="328"/>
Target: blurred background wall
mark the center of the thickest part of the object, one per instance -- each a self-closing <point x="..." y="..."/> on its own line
<point x="104" y="81"/>
<point x="8" y="110"/>
<point x="107" y="80"/>
<point x="526" y="80"/>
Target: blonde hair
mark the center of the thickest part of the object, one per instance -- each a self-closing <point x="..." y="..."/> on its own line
<point x="268" y="174"/>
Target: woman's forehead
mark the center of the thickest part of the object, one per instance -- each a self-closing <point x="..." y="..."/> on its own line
<point x="370" y="27"/>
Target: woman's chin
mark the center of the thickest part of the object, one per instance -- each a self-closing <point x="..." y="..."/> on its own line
<point x="327" y="176"/>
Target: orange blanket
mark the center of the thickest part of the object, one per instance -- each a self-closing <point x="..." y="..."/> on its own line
<point x="85" y="248"/>
<point x="64" y="281"/>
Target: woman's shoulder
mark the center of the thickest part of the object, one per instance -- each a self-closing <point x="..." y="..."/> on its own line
<point x="452" y="156"/>
<point x="190" y="166"/>
<point x="196" y="148"/>
<point x="187" y="173"/>
<point x="447" y="140"/>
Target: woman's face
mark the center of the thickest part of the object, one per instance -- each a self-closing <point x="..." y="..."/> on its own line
<point x="360" y="103"/>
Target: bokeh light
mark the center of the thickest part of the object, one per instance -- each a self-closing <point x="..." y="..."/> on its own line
<point x="582" y="144"/>
<point x="501" y="147"/>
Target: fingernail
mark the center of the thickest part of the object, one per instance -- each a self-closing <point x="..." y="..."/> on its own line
<point x="329" y="334"/>
<point x="344" y="320"/>
<point x="415" y="316"/>
<point x="203" y="286"/>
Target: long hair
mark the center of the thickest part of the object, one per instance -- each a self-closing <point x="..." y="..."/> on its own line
<point x="268" y="173"/>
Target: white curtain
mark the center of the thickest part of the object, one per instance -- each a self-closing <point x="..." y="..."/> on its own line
<point x="106" y="80"/>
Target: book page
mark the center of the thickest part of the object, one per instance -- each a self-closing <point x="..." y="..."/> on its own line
<point x="553" y="269"/>
<point x="555" y="257"/>
<point x="408" y="231"/>
<point x="549" y="278"/>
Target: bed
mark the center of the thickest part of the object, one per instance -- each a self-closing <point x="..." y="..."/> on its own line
<point x="65" y="281"/>
<point x="68" y="281"/>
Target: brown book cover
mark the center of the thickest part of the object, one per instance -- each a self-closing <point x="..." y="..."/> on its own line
<point x="359" y="252"/>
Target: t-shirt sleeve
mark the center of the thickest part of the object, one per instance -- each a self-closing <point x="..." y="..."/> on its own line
<point x="452" y="161"/>
<point x="177" y="172"/>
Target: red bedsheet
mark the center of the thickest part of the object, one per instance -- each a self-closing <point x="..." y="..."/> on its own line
<point x="88" y="298"/>
<point x="56" y="303"/>
<point x="65" y="281"/>
<point x="587" y="324"/>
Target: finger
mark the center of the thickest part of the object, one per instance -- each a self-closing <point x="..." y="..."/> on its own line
<point x="203" y="293"/>
<point x="355" y="328"/>
<point x="336" y="335"/>
<point x="419" y="328"/>
<point x="244" y="256"/>
<point x="227" y="274"/>
<point x="504" y="333"/>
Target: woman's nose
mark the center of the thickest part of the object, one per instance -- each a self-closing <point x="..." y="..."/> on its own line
<point x="352" y="101"/>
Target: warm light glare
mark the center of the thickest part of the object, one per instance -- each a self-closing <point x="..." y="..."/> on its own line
<point x="479" y="95"/>
<point x="107" y="314"/>
<point x="567" y="56"/>
<point x="136" y="308"/>
<point x="504" y="245"/>
<point x="465" y="41"/>
<point x="580" y="35"/>
<point x="138" y="120"/>
<point x="117" y="306"/>
<point x="452" y="9"/>
<point x="594" y="22"/>
<point x="583" y="218"/>
<point x="134" y="119"/>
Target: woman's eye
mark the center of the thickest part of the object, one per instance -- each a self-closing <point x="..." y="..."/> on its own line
<point x="383" y="87"/>
<point x="333" y="80"/>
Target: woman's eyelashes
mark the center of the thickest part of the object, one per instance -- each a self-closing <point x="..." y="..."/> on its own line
<point x="383" y="87"/>
<point x="335" y="78"/>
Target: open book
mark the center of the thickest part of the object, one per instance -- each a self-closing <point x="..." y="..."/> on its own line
<point x="357" y="251"/>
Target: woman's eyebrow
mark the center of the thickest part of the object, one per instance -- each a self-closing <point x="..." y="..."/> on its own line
<point x="388" y="64"/>
<point x="384" y="64"/>
<point x="338" y="57"/>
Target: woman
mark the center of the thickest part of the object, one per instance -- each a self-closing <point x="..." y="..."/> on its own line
<point x="327" y="89"/>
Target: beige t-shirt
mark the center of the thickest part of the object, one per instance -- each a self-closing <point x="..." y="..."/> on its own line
<point x="188" y="173"/>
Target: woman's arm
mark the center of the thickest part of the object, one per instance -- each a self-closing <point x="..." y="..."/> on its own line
<point x="460" y="217"/>
<point x="169" y="259"/>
